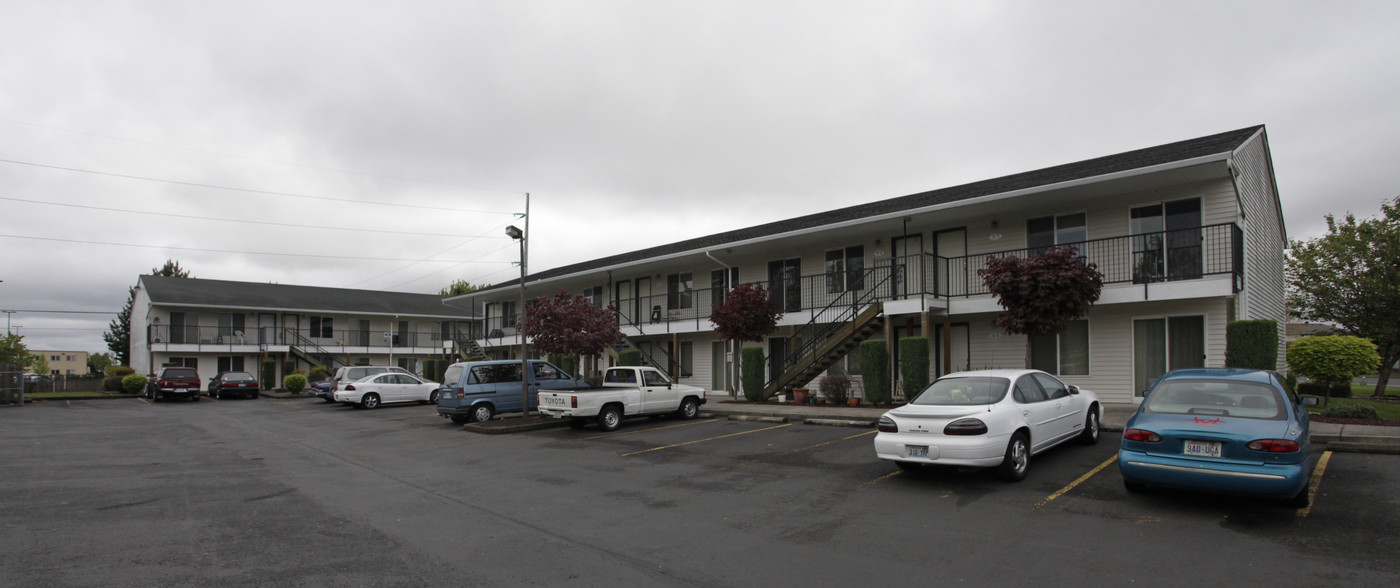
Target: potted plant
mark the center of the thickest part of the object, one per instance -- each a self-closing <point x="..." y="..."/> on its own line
<point x="799" y="395"/>
<point x="836" y="388"/>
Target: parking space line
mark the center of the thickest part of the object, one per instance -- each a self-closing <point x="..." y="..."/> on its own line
<point x="1314" y="483"/>
<point x="709" y="439"/>
<point x="144" y="400"/>
<point x="797" y="450"/>
<point x="645" y="430"/>
<point x="1076" y="482"/>
<point x="881" y="478"/>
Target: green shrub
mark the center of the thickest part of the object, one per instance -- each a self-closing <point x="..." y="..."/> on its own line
<point x="134" y="384"/>
<point x="1290" y="381"/>
<point x="269" y="374"/>
<point x="113" y="383"/>
<point x="751" y="372"/>
<point x="1251" y="344"/>
<point x="913" y="365"/>
<point x="1333" y="358"/>
<point x="1329" y="390"/>
<point x="1350" y="412"/>
<point x="120" y="370"/>
<point x="318" y="373"/>
<point x="1312" y="389"/>
<point x="294" y="383"/>
<point x="632" y="357"/>
<point x="875" y="370"/>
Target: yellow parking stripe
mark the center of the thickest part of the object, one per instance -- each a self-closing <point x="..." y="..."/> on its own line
<point x="881" y="478"/>
<point x="1077" y="482"/>
<point x="645" y="430"/>
<point x="143" y="400"/>
<point x="797" y="450"/>
<point x="704" y="440"/>
<point x="1314" y="483"/>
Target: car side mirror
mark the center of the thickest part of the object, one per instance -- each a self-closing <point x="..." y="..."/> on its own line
<point x="1311" y="401"/>
<point x="1073" y="389"/>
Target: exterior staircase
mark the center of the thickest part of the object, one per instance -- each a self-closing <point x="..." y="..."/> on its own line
<point x="835" y="345"/>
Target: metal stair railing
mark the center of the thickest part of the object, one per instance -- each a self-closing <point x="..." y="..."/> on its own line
<point x="329" y="359"/>
<point x="647" y="357"/>
<point x="836" y="315"/>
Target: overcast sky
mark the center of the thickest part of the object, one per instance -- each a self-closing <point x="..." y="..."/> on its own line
<point x="385" y="145"/>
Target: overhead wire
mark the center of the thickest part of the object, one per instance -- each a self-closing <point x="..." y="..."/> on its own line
<point x="273" y="253"/>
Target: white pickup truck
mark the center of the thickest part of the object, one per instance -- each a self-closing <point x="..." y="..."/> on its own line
<point x="626" y="391"/>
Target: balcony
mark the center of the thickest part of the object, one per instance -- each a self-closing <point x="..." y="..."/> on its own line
<point x="1167" y="256"/>
<point x="217" y="338"/>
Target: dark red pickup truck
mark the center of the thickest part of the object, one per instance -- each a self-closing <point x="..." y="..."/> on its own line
<point x="174" y="382"/>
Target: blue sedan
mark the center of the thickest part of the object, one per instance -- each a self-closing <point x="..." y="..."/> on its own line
<point x="1224" y="430"/>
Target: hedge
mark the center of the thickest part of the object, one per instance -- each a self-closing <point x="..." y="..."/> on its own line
<point x="751" y="372"/>
<point x="875" y="371"/>
<point x="294" y="383"/>
<point x="631" y="357"/>
<point x="1251" y="344"/>
<point x="913" y="365"/>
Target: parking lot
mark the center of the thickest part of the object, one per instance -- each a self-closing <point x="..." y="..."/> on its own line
<point x="300" y="492"/>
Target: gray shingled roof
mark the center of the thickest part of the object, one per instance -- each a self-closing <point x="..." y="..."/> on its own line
<point x="279" y="297"/>
<point x="1122" y="162"/>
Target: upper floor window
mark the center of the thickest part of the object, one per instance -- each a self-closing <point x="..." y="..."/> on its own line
<point x="845" y="269"/>
<point x="1048" y="231"/>
<point x="594" y="295"/>
<point x="719" y="285"/>
<point x="322" y="327"/>
<point x="508" y="314"/>
<point x="680" y="291"/>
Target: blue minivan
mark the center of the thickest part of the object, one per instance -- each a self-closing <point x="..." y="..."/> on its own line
<point x="477" y="390"/>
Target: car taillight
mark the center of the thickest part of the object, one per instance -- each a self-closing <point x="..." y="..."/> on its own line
<point x="349" y="387"/>
<point x="1141" y="435"/>
<point x="965" y="427"/>
<point x="461" y="393"/>
<point x="1273" y="445"/>
<point x="573" y="402"/>
<point x="886" y="425"/>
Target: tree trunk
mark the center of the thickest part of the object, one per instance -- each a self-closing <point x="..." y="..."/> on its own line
<point x="1383" y="378"/>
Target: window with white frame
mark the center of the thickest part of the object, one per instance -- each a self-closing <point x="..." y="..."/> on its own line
<point x="322" y="327"/>
<point x="1048" y="231"/>
<point x="680" y="291"/>
<point x="845" y="269"/>
<point x="1065" y="353"/>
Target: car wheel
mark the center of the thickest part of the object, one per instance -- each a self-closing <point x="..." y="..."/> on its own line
<point x="215" y="394"/>
<point x="609" y="418"/>
<point x="461" y="420"/>
<point x="1018" y="459"/>
<point x="432" y="397"/>
<point x="1090" y="435"/>
<point x="155" y="396"/>
<point x="194" y="398"/>
<point x="370" y="400"/>
<point x="482" y="413"/>
<point x="254" y="395"/>
<point x="1299" y="500"/>
<point x="329" y="399"/>
<point x="909" y="466"/>
<point x="689" y="408"/>
<point x="1134" y="487"/>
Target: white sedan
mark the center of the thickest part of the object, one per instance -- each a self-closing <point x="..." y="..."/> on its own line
<point x="988" y="418"/>
<point x="371" y="391"/>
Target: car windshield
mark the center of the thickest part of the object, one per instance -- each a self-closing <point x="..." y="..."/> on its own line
<point x="964" y="391"/>
<point x="238" y="376"/>
<point x="1248" y="400"/>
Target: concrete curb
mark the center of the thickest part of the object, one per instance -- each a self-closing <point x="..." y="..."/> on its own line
<point x="859" y="423"/>
<point x="753" y="418"/>
<point x="515" y="425"/>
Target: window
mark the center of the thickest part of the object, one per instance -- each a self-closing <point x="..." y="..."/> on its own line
<point x="54" y="357"/>
<point x="594" y="295"/>
<point x="189" y="362"/>
<point x="654" y="379"/>
<point x="1164" y="344"/>
<point x="230" y="324"/>
<point x="508" y="314"/>
<point x="1027" y="391"/>
<point x="409" y="364"/>
<point x="358" y="334"/>
<point x="719" y="286"/>
<point x="785" y="283"/>
<point x="322" y="327"/>
<point x="1167" y="241"/>
<point x="845" y="269"/>
<point x="1048" y="231"/>
<point x="1065" y="353"/>
<point x="230" y="364"/>
<point x="680" y="291"/>
<point x="687" y="359"/>
<point x="71" y="358"/>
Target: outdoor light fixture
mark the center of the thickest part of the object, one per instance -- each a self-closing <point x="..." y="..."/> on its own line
<point x="514" y="232"/>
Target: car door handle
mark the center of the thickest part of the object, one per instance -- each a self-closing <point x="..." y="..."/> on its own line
<point x="1025" y="413"/>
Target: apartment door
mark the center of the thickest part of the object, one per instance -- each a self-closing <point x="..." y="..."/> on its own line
<point x="267" y="328"/>
<point x="719" y="366"/>
<point x="908" y="266"/>
<point x="626" y="306"/>
<point x="958" y="356"/>
<point x="647" y="309"/>
<point x="777" y="356"/>
<point x="785" y="283"/>
<point x="291" y="323"/>
<point x="949" y="249"/>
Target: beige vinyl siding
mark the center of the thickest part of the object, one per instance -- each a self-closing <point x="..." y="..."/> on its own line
<point x="1263" y="296"/>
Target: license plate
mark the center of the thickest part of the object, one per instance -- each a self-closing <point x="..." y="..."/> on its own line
<point x="917" y="450"/>
<point x="1201" y="448"/>
<point x="181" y="390"/>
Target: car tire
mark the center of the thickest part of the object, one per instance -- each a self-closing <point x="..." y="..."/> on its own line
<point x="460" y="420"/>
<point x="481" y="413"/>
<point x="610" y="418"/>
<point x="1090" y="435"/>
<point x="370" y="400"/>
<point x="1299" y="500"/>
<point x="329" y="399"/>
<point x="1134" y="487"/>
<point x="155" y="396"/>
<point x="432" y="397"/>
<point x="215" y="393"/>
<point x="194" y="398"/>
<point x="909" y="466"/>
<point x="1017" y="460"/>
<point x="254" y="395"/>
<point x="689" y="408"/>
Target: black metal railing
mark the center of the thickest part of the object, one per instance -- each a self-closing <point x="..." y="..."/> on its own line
<point x="841" y="308"/>
<point x="231" y="336"/>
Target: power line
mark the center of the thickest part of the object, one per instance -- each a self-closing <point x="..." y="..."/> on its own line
<point x="507" y="245"/>
<point x="249" y="158"/>
<point x="396" y="270"/>
<point x="63" y="311"/>
<point x="249" y="190"/>
<point x="228" y="220"/>
<point x="243" y="252"/>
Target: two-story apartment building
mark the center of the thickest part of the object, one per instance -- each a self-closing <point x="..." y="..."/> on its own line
<point x="1188" y="235"/>
<point x="218" y="325"/>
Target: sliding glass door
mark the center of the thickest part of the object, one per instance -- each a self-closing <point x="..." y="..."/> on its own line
<point x="1164" y="344"/>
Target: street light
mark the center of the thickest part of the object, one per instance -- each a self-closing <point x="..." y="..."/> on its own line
<point x="515" y="233"/>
